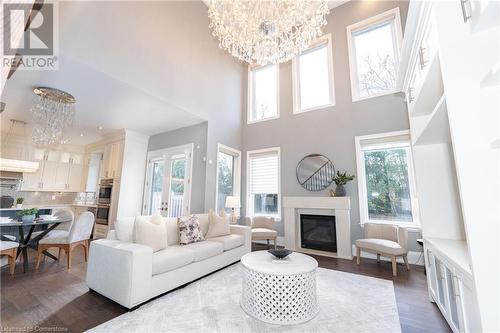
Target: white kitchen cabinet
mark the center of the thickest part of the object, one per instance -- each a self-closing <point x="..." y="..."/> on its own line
<point x="112" y="160"/>
<point x="50" y="177"/>
<point x="32" y="180"/>
<point x="74" y="180"/>
<point x="117" y="159"/>
<point x="61" y="177"/>
<point x="59" y="171"/>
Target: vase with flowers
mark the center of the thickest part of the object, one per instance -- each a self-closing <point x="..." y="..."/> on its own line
<point x="340" y="179"/>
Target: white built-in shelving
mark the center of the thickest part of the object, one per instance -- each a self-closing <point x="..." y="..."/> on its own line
<point x="432" y="128"/>
<point x="448" y="262"/>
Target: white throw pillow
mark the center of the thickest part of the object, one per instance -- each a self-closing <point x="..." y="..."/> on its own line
<point x="157" y="218"/>
<point x="150" y="234"/>
<point x="218" y="226"/>
<point x="125" y="229"/>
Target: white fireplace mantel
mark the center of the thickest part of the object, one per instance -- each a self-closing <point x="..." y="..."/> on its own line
<point x="341" y="207"/>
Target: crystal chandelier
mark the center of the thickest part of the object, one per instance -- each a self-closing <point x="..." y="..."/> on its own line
<point x="265" y="32"/>
<point x="53" y="110"/>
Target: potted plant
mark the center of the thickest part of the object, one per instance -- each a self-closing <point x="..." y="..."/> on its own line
<point x="28" y="215"/>
<point x="19" y="202"/>
<point x="340" y="180"/>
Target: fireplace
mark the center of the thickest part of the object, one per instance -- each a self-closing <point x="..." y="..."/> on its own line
<point x="318" y="232"/>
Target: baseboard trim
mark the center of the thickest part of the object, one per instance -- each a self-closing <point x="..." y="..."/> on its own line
<point x="414" y="257"/>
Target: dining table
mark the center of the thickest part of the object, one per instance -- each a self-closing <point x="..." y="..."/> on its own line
<point x="25" y="238"/>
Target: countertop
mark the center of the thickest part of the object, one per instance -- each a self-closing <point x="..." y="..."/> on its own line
<point x="49" y="206"/>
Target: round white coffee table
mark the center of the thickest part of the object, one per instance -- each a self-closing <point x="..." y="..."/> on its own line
<point x="279" y="291"/>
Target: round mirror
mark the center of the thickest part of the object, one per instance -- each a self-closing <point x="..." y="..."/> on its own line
<point x="315" y="172"/>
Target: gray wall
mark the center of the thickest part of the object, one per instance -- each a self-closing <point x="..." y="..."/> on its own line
<point x="329" y="131"/>
<point x="197" y="135"/>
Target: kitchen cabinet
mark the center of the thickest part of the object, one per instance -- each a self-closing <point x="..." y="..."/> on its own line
<point x="61" y="177"/>
<point x="32" y="180"/>
<point x="74" y="180"/>
<point x="59" y="171"/>
<point x="112" y="160"/>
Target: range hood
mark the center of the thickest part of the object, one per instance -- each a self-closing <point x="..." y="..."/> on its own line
<point x="18" y="165"/>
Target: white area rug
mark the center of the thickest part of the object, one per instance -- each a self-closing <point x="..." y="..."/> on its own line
<point x="347" y="302"/>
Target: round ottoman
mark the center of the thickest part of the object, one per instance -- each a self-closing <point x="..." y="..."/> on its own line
<point x="279" y="291"/>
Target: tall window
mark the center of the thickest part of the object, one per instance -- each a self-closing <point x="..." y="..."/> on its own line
<point x="313" y="86"/>
<point x="374" y="47"/>
<point x="385" y="178"/>
<point x="263" y="93"/>
<point x="263" y="182"/>
<point x="228" y="175"/>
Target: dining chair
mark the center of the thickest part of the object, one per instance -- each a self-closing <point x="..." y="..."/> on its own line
<point x="9" y="249"/>
<point x="63" y="214"/>
<point x="78" y="235"/>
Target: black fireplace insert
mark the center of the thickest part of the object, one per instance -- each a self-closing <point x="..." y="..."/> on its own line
<point x="318" y="232"/>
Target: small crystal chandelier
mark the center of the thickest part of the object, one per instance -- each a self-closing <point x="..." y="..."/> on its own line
<point x="265" y="32"/>
<point x="53" y="110"/>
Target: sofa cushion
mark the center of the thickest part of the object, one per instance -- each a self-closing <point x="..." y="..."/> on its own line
<point x="380" y="245"/>
<point x="218" y="225"/>
<point x="151" y="234"/>
<point x="205" y="249"/>
<point x="229" y="241"/>
<point x="263" y="233"/>
<point x="171" y="258"/>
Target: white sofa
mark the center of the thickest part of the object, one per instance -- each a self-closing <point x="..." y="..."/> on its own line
<point x="130" y="273"/>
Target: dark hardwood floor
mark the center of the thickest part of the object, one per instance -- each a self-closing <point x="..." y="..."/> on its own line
<point x="54" y="297"/>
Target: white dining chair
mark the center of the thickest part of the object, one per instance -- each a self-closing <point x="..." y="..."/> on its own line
<point x="78" y="235"/>
<point x="9" y="249"/>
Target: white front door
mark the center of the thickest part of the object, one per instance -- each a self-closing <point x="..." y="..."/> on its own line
<point x="168" y="181"/>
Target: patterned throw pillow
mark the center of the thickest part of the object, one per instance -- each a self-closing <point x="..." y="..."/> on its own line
<point x="189" y="229"/>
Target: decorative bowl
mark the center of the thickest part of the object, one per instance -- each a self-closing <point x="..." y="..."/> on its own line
<point x="280" y="253"/>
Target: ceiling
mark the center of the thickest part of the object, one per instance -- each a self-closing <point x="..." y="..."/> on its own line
<point x="160" y="73"/>
<point x="103" y="65"/>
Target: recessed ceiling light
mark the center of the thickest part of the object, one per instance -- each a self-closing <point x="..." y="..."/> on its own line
<point x="81" y="134"/>
<point x="99" y="128"/>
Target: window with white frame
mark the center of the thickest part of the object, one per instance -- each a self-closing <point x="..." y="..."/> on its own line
<point x="386" y="179"/>
<point x="263" y="182"/>
<point x="313" y="86"/>
<point x="263" y="84"/>
<point x="374" y="47"/>
<point x="228" y="175"/>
